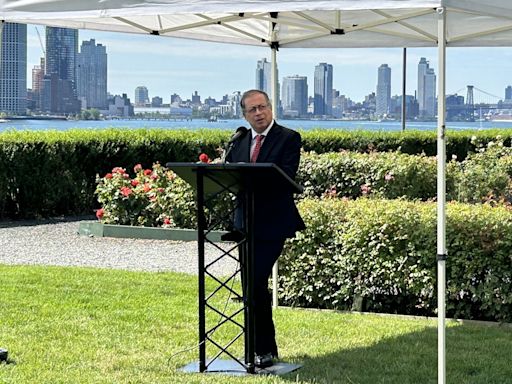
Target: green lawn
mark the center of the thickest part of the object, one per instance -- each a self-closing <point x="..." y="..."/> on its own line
<point x="76" y="325"/>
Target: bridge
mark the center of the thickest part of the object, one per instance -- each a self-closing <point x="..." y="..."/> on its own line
<point x="477" y="104"/>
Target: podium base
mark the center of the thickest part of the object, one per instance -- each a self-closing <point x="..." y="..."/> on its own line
<point x="233" y="368"/>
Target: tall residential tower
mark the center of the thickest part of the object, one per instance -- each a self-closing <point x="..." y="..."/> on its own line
<point x="323" y="90"/>
<point x="92" y="75"/>
<point x="383" y="96"/>
<point x="13" y="73"/>
<point x="426" y="89"/>
<point x="295" y="96"/>
<point x="59" y="93"/>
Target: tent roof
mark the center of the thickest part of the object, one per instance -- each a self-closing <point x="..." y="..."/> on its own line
<point x="295" y="24"/>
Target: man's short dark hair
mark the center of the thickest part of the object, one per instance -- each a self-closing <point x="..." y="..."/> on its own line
<point x="250" y="93"/>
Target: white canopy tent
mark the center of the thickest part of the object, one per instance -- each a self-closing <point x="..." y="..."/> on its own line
<point x="301" y="24"/>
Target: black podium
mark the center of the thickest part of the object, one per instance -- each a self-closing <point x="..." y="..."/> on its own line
<point x="243" y="180"/>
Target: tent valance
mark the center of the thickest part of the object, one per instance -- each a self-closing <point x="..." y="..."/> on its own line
<point x="293" y="24"/>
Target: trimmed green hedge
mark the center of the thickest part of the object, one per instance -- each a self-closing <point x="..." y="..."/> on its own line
<point x="458" y="143"/>
<point x="52" y="173"/>
<point x="380" y="256"/>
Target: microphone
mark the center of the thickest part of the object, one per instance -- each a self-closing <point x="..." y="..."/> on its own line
<point x="240" y="132"/>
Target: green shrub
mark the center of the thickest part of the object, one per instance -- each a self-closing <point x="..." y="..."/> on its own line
<point x="458" y="143"/>
<point x="52" y="173"/>
<point x="380" y="256"/>
<point x="484" y="176"/>
<point x="350" y="174"/>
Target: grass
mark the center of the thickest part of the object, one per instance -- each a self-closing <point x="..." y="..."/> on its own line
<point x="77" y="325"/>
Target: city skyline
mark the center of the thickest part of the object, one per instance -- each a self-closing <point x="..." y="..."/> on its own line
<point x="168" y="65"/>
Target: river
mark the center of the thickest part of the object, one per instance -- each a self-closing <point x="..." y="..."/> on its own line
<point x="62" y="125"/>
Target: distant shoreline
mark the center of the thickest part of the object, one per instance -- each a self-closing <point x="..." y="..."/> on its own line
<point x="10" y="118"/>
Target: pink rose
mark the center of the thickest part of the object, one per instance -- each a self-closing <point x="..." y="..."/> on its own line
<point x="137" y="168"/>
<point x="126" y="191"/>
<point x="99" y="213"/>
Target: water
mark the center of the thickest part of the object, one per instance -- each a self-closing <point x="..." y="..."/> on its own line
<point x="231" y="125"/>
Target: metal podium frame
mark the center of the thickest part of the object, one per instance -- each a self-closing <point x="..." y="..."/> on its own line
<point x="242" y="180"/>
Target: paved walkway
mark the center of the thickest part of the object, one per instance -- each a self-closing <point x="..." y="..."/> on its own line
<point x="60" y="244"/>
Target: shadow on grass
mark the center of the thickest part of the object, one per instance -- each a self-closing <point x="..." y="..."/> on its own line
<point x="474" y="354"/>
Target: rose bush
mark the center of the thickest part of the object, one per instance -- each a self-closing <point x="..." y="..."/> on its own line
<point x="157" y="197"/>
<point x="153" y="197"/>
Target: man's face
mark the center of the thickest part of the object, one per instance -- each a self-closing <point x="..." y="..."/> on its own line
<point x="258" y="112"/>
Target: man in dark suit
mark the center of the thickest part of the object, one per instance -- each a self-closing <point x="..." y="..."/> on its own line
<point x="275" y="215"/>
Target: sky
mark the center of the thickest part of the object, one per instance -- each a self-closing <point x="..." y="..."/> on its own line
<point x="169" y="65"/>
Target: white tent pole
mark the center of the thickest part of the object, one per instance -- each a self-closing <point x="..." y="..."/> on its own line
<point x="404" y="80"/>
<point x="275" y="105"/>
<point x="441" y="198"/>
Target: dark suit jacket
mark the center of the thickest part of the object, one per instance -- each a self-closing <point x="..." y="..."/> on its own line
<point x="275" y="213"/>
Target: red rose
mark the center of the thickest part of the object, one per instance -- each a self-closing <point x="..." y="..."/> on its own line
<point x="134" y="183"/>
<point x="167" y="221"/>
<point x="126" y="191"/>
<point x="203" y="158"/>
<point x="137" y="168"/>
<point x="99" y="213"/>
<point x="147" y="172"/>
<point x="108" y="176"/>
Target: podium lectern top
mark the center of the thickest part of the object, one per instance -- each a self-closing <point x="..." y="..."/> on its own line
<point x="237" y="175"/>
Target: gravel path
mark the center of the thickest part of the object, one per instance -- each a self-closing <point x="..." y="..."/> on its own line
<point x="60" y="244"/>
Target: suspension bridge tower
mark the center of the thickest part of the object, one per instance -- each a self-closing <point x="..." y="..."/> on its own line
<point x="470" y="104"/>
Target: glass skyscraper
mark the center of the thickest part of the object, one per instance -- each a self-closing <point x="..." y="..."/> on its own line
<point x="92" y="75"/>
<point x="426" y="89"/>
<point x="323" y="90"/>
<point x="383" y="95"/>
<point x="13" y="74"/>
<point x="264" y="76"/>
<point x="264" y="80"/>
<point x="295" y="96"/>
<point x="59" y="94"/>
<point x="141" y="96"/>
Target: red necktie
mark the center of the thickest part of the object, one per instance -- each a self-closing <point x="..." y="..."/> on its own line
<point x="257" y="148"/>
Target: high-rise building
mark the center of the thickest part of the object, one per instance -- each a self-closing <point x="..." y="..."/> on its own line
<point x="508" y="94"/>
<point x="196" y="98"/>
<point x="264" y="80"/>
<point x="13" y="73"/>
<point x="295" y="96"/>
<point x="92" y="75"/>
<point x="37" y="84"/>
<point x="426" y="89"/>
<point x="323" y="90"/>
<point x="383" y="94"/>
<point x="60" y="71"/>
<point x="264" y="76"/>
<point x="141" y="96"/>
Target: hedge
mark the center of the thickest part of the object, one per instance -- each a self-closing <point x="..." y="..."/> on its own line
<point x="53" y="173"/>
<point x="350" y="174"/>
<point x="380" y="256"/>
